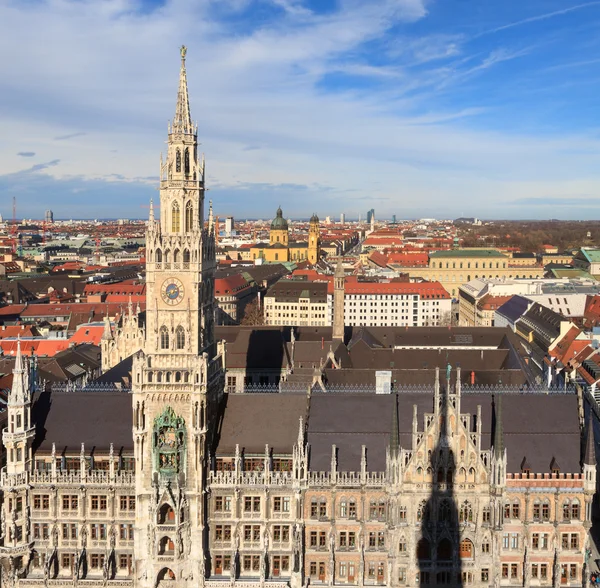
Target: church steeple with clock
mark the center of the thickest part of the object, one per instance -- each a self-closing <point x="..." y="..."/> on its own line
<point x="177" y="378"/>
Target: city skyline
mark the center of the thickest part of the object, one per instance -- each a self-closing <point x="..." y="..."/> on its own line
<point x="453" y="111"/>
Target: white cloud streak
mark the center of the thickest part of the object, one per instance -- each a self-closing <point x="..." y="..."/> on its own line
<point x="102" y="77"/>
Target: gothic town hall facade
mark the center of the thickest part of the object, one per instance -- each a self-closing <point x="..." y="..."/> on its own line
<point x="175" y="483"/>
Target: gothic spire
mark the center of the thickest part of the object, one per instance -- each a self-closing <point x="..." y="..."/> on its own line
<point x="20" y="379"/>
<point x="394" y="434"/>
<point x="499" y="430"/>
<point x="182" y="123"/>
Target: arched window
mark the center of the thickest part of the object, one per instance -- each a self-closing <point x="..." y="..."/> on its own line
<point x="516" y="509"/>
<point x="422" y="512"/>
<point x="423" y="550"/>
<point x="166" y="515"/>
<point x="189" y="211"/>
<point x="575" y="511"/>
<point x="175" y="218"/>
<point x="166" y="546"/>
<point x="466" y="549"/>
<point x="444" y="550"/>
<point x="158" y="256"/>
<point x="186" y="161"/>
<point x="186" y="256"/>
<point x="178" y="160"/>
<point x="176" y="256"/>
<point x="180" y="338"/>
<point x="444" y="512"/>
<point x="165" y="574"/>
<point x="343" y="508"/>
<point x="167" y="256"/>
<point x="466" y="512"/>
<point x="164" y="338"/>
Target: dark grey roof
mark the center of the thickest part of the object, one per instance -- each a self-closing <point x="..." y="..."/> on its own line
<point x="537" y="427"/>
<point x="290" y="290"/>
<point x="255" y="420"/>
<point x="69" y="419"/>
<point x="514" y="308"/>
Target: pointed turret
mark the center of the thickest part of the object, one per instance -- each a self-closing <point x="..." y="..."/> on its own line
<point x="19" y="393"/>
<point x="182" y="123"/>
<point x="211" y="219"/>
<point x="107" y="333"/>
<point x="339" y="279"/>
<point x="499" y="430"/>
<point x="394" y="434"/>
<point x="589" y="457"/>
<point x="151" y="212"/>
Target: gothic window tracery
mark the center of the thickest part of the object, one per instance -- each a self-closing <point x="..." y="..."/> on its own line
<point x="164" y="338"/>
<point x="178" y="160"/>
<point x="466" y="512"/>
<point x="158" y="256"/>
<point x="169" y="442"/>
<point x="423" y="550"/>
<point x="422" y="512"/>
<point x="444" y="513"/>
<point x="180" y="338"/>
<point x="186" y="161"/>
<point x="444" y="550"/>
<point x="189" y="216"/>
<point x="186" y="256"/>
<point x="175" y="218"/>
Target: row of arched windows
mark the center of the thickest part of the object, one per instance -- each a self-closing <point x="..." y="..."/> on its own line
<point x="165" y="342"/>
<point x="176" y="217"/>
<point x="177" y="256"/>
<point x="176" y="377"/>
<point x="541" y="509"/>
<point x="186" y="160"/>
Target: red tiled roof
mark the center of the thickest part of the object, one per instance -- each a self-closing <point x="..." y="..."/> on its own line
<point x="12" y="309"/>
<point x="17" y="331"/>
<point x="119" y="288"/>
<point x="378" y="259"/>
<point x="47" y="347"/>
<point x="99" y="309"/>
<point x="490" y="302"/>
<point x="564" y="343"/>
<point x="88" y="334"/>
<point x="407" y="259"/>
<point x="230" y="284"/>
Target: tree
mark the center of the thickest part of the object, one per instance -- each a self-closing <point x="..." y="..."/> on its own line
<point x="253" y="314"/>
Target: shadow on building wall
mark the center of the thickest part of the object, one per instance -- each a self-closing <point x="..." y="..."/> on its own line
<point x="439" y="550"/>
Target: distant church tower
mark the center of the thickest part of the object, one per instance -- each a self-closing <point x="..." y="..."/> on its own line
<point x="314" y="240"/>
<point x="279" y="230"/>
<point x="177" y="378"/>
<point x="339" y="279"/>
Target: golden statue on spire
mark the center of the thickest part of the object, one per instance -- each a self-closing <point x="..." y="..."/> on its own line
<point x="183" y="51"/>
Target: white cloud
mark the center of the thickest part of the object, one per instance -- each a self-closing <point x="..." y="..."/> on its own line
<point x="102" y="77"/>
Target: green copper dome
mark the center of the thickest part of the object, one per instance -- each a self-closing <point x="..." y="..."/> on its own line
<point x="279" y="223"/>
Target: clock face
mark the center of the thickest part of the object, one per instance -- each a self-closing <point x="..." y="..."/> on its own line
<point x="172" y="291"/>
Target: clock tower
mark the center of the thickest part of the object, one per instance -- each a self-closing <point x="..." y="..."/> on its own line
<point x="177" y="380"/>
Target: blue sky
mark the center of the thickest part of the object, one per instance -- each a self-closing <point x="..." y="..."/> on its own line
<point x="419" y="108"/>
